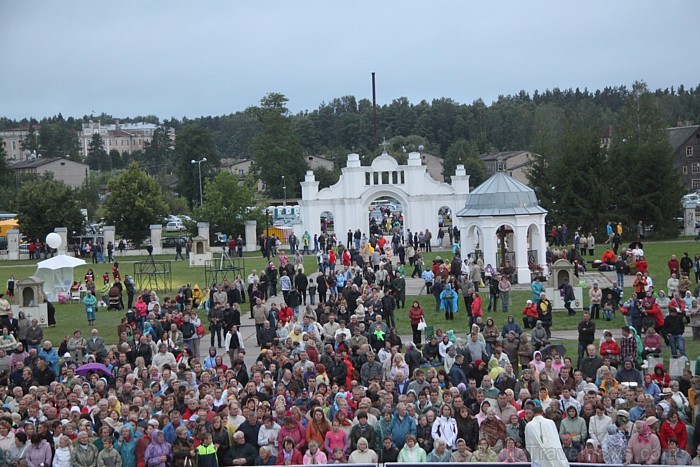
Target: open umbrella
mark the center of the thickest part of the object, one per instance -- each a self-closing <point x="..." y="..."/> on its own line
<point x="93" y="368"/>
<point x="636" y="244"/>
<point x="547" y="350"/>
<point x="613" y="293"/>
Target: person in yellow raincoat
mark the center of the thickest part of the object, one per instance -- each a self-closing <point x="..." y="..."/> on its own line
<point x="197" y="296"/>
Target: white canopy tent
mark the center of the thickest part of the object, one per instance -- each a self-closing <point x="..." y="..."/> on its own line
<point x="57" y="274"/>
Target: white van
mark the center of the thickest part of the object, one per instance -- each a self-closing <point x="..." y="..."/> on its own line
<point x="175" y="226"/>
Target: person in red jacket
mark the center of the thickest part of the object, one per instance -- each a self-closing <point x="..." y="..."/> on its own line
<point x="530" y="315"/>
<point x="609" y="348"/>
<point x="655" y="312"/>
<point x="288" y="454"/>
<point x="642" y="265"/>
<point x="609" y="256"/>
<point x="286" y="313"/>
<point x="673" y="428"/>
<point x="416" y="314"/>
<point x="661" y="377"/>
<point x="332" y="259"/>
<point x="476" y="308"/>
<point x="673" y="268"/>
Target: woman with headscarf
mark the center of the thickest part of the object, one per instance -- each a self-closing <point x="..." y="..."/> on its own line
<point x="336" y="405"/>
<point x="537" y="360"/>
<point x="644" y="446"/>
<point x="159" y="453"/>
<point x="363" y="454"/>
<point x="614" y="446"/>
<point x="493" y="430"/>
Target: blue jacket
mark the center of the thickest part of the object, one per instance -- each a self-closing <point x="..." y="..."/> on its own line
<point x="537" y="288"/>
<point x="457" y="376"/>
<point x="446" y="303"/>
<point x="402" y="428"/>
<point x="127" y="449"/>
<point x="169" y="432"/>
<point x="654" y="390"/>
<point x="51" y="357"/>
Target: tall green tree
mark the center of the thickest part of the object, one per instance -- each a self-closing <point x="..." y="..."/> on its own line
<point x="135" y="201"/>
<point x="158" y="155"/>
<point x="7" y="181"/>
<point x="649" y="187"/>
<point x="194" y="143"/>
<point x="97" y="157"/>
<point x="31" y="141"/>
<point x="326" y="177"/>
<point x="228" y="203"/>
<point x="44" y="204"/>
<point x="573" y="181"/>
<point x="57" y="140"/>
<point x="465" y="152"/>
<point x="276" y="149"/>
<point x="88" y="194"/>
<point x="115" y="159"/>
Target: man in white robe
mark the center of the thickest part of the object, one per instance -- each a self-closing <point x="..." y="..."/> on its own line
<point x="543" y="443"/>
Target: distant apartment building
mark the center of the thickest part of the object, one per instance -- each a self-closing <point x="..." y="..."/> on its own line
<point x="123" y="137"/>
<point x="12" y="140"/>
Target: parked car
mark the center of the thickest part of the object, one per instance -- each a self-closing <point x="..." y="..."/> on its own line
<point x="171" y="242"/>
<point x="175" y="226"/>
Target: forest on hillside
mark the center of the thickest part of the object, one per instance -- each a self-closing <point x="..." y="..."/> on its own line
<point x="344" y="125"/>
<point x="579" y="182"/>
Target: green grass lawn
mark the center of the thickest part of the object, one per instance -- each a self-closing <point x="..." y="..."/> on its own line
<point x="72" y="316"/>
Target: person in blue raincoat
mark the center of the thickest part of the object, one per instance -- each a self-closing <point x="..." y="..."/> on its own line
<point x="449" y="301"/>
<point x="90" y="302"/>
<point x="126" y="446"/>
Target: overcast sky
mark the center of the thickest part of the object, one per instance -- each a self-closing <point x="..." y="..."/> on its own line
<point x="191" y="58"/>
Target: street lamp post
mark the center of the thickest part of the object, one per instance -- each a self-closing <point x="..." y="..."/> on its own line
<point x="284" y="187"/>
<point x="199" y="165"/>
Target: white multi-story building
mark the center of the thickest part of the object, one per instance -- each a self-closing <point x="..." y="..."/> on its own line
<point x="125" y="138"/>
<point x="12" y="140"/>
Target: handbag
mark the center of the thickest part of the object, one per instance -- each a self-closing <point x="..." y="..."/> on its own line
<point x="422" y="325"/>
<point x="200" y="330"/>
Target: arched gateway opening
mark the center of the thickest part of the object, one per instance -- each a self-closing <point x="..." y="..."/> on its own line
<point x="385" y="216"/>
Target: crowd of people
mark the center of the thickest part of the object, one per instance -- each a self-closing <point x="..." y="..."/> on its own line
<point x="333" y="382"/>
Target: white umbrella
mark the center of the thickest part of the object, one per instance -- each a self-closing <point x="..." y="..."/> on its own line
<point x="57" y="274"/>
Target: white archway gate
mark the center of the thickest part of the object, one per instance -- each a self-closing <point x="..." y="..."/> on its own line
<point x="420" y="195"/>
